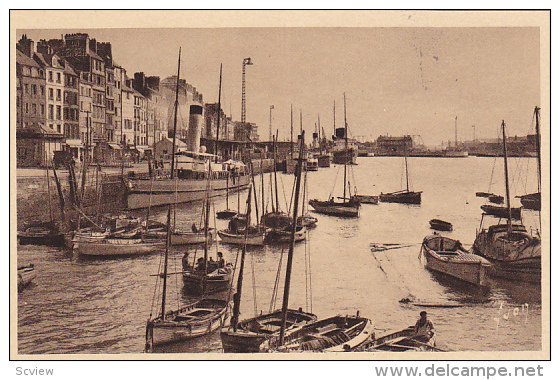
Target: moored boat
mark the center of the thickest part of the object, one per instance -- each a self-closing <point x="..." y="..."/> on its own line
<point x="41" y="233"/>
<point x="368" y="199"/>
<point x="447" y="256"/>
<point x="285" y="235"/>
<point x="188" y="322"/>
<point x="344" y="209"/>
<point x="25" y="276"/>
<point x="515" y="253"/>
<point x="440" y="225"/>
<point x="333" y="334"/>
<point x="253" y="334"/>
<point x="307" y="221"/>
<point x="400" y="341"/>
<point x="497" y="199"/>
<point x="531" y="201"/>
<point x="403" y="196"/>
<point x="118" y="246"/>
<point x="502" y="211"/>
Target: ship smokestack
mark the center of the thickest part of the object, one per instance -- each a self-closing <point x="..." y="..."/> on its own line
<point x="195" y="127"/>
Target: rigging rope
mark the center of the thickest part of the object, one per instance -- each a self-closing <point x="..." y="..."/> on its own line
<point x="334" y="182"/>
<point x="254" y="283"/>
<point x="492" y="174"/>
<point x="276" y="283"/>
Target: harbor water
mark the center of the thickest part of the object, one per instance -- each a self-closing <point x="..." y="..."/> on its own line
<point x="80" y="305"/>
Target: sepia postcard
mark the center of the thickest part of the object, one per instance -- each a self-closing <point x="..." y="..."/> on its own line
<point x="280" y="185"/>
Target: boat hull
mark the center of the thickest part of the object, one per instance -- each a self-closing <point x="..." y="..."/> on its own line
<point x="236" y="239"/>
<point x="105" y="248"/>
<point x="333" y="209"/>
<point x="348" y="157"/>
<point x="161" y="332"/>
<point x="199" y="283"/>
<point x="368" y="199"/>
<point x="410" y="197"/>
<point x="501" y="211"/>
<point x="145" y="192"/>
<point x="25" y="277"/>
<point x="324" y="161"/>
<point x="518" y="260"/>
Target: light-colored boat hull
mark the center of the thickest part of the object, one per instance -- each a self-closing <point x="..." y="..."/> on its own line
<point x="228" y="238"/>
<point x="106" y="248"/>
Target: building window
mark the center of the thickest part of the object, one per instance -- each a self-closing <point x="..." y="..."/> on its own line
<point x="34" y="89"/>
<point x="42" y="110"/>
<point x="51" y="96"/>
<point x="42" y="90"/>
<point x="26" y="108"/>
<point x="50" y="76"/>
<point x="58" y="113"/>
<point x="34" y="109"/>
<point x="26" y="86"/>
<point x="58" y="94"/>
<point x="51" y="112"/>
<point x="57" y="77"/>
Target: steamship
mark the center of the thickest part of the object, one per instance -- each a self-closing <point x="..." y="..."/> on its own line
<point x="345" y="151"/>
<point x="196" y="174"/>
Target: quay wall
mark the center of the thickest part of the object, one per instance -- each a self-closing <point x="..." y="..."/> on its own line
<point x="33" y="196"/>
<point x="33" y="193"/>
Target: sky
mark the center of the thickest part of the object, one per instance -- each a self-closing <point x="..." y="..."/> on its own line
<point x="396" y="80"/>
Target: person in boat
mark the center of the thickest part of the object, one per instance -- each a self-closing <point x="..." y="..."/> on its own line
<point x="221" y="261"/>
<point x="424" y="328"/>
<point x="193" y="228"/>
<point x="185" y="261"/>
<point x="200" y="264"/>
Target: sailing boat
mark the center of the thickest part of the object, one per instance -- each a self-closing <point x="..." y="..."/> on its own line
<point x="332" y="334"/>
<point x="252" y="335"/>
<point x="348" y="207"/>
<point x="533" y="201"/>
<point x="515" y="253"/>
<point x="227" y="213"/>
<point x="191" y="321"/>
<point x="403" y="196"/>
<point x="240" y="232"/>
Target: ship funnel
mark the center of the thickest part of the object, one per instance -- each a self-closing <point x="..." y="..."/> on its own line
<point x="195" y="126"/>
<point x="340" y="133"/>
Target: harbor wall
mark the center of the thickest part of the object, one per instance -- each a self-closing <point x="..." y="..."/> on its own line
<point x="33" y="196"/>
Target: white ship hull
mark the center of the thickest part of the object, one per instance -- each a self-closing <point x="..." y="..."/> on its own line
<point x="146" y="192"/>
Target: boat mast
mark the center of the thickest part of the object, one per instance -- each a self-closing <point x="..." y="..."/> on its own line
<point x="345" y="148"/>
<point x="237" y="295"/>
<point x="506" y="175"/>
<point x="275" y="175"/>
<point x="219" y="115"/>
<point x="168" y="236"/>
<point x="207" y="220"/>
<point x="538" y="143"/>
<point x="456" y="140"/>
<point x="406" y="167"/>
<point x="291" y="132"/>
<point x="293" y="238"/>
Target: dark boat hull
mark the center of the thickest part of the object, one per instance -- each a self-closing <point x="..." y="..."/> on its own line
<point x="531" y="201"/>
<point x="346" y="209"/>
<point x="52" y="240"/>
<point x="440" y="225"/>
<point x="502" y="212"/>
<point x="405" y="197"/>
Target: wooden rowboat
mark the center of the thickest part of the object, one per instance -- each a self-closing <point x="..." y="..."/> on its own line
<point x="447" y="256"/>
<point x="403" y="196"/>
<point x="333" y="334"/>
<point x="188" y="322"/>
<point x="250" y="335"/>
<point x="284" y="235"/>
<point x="400" y="341"/>
<point x="26" y="274"/>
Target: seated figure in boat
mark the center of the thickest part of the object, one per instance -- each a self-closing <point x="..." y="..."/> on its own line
<point x="424" y="328"/>
<point x="221" y="261"/>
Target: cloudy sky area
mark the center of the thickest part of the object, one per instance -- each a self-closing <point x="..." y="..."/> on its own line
<point x="397" y="80"/>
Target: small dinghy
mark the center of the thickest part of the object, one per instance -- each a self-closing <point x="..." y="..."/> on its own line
<point x="447" y="256"/>
<point x="307" y="221"/>
<point x="440" y="225"/>
<point x="26" y="275"/>
<point x="284" y="235"/>
<point x="188" y="322"/>
<point x="235" y="233"/>
<point x="349" y="209"/>
<point x="483" y="194"/>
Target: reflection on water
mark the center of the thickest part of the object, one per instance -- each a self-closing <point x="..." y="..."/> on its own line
<point x="83" y="305"/>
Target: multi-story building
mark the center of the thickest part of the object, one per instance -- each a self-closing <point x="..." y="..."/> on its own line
<point x="36" y="142"/>
<point x="188" y="96"/>
<point x="245" y="131"/>
<point x="117" y="103"/>
<point x="140" y="132"/>
<point x="127" y="105"/>
<point x="156" y="105"/>
<point x="211" y="122"/>
<point x="54" y="71"/>
<point x="71" y="112"/>
<point x="86" y="106"/>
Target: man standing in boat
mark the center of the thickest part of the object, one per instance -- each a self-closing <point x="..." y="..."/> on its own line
<point x="424" y="328"/>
